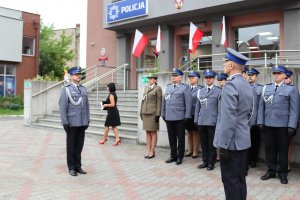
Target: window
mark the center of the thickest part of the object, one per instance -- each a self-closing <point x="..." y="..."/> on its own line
<point x="149" y="56"/>
<point x="204" y="49"/>
<point x="7" y="80"/>
<point x="255" y="38"/>
<point x="28" y="46"/>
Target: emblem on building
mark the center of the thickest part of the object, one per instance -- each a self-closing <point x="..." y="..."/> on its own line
<point x="178" y="4"/>
<point x="113" y="12"/>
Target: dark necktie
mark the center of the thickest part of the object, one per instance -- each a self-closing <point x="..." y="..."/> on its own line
<point x="174" y="86"/>
<point x="276" y="87"/>
<point x="78" y="89"/>
<point x="192" y="88"/>
<point x="208" y="89"/>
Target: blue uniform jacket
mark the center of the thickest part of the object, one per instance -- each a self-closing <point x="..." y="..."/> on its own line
<point x="70" y="114"/>
<point x="206" y="112"/>
<point x="177" y="102"/>
<point x="236" y="108"/>
<point x="280" y="108"/>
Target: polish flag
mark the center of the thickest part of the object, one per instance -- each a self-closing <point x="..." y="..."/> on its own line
<point x="139" y="44"/>
<point x="158" y="42"/>
<point x="195" y="37"/>
<point x="223" y="29"/>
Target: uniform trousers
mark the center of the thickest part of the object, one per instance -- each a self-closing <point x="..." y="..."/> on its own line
<point x="209" y="152"/>
<point x="176" y="133"/>
<point x="75" y="141"/>
<point x="276" y="148"/>
<point x="233" y="172"/>
<point x="255" y="143"/>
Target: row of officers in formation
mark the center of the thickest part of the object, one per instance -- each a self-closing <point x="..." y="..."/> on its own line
<point x="274" y="111"/>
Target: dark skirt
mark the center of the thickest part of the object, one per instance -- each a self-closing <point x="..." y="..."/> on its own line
<point x="190" y="126"/>
<point x="113" y="117"/>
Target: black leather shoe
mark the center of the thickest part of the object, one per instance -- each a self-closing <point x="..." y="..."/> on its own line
<point x="195" y="156"/>
<point x="210" y="167"/>
<point x="203" y="165"/>
<point x="252" y="164"/>
<point x="80" y="171"/>
<point x="268" y="175"/>
<point x="283" y="180"/>
<point x="146" y="157"/>
<point x="179" y="161"/>
<point x="170" y="160"/>
<point x="72" y="172"/>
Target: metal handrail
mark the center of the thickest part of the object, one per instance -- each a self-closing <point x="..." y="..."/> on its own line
<point x="265" y="57"/>
<point x="89" y="83"/>
<point x="61" y="82"/>
<point x="95" y="82"/>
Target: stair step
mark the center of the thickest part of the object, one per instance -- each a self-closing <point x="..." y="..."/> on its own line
<point x="131" y="139"/>
<point x="94" y="122"/>
<point x="99" y="116"/>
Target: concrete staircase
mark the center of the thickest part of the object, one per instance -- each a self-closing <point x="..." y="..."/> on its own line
<point x="128" y="108"/>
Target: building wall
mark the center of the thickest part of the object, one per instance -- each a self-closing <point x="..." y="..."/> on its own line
<point x="75" y="45"/>
<point x="28" y="68"/>
<point x="98" y="37"/>
<point x="175" y="23"/>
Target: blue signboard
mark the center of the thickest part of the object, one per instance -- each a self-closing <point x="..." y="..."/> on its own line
<point x="10" y="86"/>
<point x="126" y="9"/>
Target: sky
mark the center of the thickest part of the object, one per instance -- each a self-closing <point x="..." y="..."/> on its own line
<point x="62" y="14"/>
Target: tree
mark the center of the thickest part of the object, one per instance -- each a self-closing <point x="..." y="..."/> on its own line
<point x="54" y="53"/>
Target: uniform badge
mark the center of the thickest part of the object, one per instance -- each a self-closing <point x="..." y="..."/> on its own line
<point x="167" y="97"/>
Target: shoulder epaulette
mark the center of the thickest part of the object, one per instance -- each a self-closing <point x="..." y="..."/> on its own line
<point x="67" y="84"/>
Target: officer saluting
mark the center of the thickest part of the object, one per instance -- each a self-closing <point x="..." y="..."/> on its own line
<point x="254" y="131"/>
<point x="206" y="114"/>
<point x="232" y="134"/>
<point x="75" y="118"/>
<point x="176" y="109"/>
<point x="278" y="113"/>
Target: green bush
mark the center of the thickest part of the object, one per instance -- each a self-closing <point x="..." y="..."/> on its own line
<point x="11" y="102"/>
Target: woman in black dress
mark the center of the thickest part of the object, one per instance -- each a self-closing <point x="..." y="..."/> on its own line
<point x="113" y="117"/>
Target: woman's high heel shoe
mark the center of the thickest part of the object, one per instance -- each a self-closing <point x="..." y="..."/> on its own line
<point x="103" y="141"/>
<point x="150" y="157"/>
<point x="117" y="143"/>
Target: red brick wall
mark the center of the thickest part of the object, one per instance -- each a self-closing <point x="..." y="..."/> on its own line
<point x="29" y="67"/>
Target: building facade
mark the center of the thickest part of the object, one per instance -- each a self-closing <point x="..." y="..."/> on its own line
<point x="19" y="49"/>
<point x="74" y="33"/>
<point x="250" y="26"/>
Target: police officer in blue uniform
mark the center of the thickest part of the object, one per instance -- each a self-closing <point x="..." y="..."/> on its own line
<point x="193" y="137"/>
<point x="254" y="131"/>
<point x="244" y="72"/>
<point x="278" y="117"/>
<point x="222" y="77"/>
<point x="289" y="80"/>
<point x="206" y="113"/>
<point x="176" y="110"/>
<point x="75" y="118"/>
<point x="232" y="134"/>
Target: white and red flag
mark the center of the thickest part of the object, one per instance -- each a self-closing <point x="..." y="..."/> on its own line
<point x="195" y="37"/>
<point x="158" y="42"/>
<point x="223" y="37"/>
<point x="139" y="44"/>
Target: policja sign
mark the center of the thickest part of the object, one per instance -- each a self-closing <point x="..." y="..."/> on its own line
<point x="126" y="9"/>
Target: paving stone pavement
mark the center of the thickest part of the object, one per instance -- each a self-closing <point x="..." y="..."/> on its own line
<point x="33" y="166"/>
